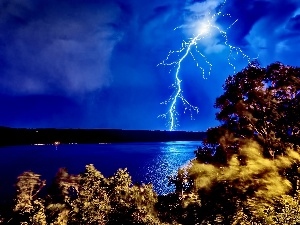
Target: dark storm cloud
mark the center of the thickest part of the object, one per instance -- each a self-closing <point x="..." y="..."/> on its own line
<point x="248" y="12"/>
<point x="294" y="24"/>
<point x="100" y="57"/>
<point x="273" y="36"/>
<point x="66" y="46"/>
<point x="56" y="46"/>
<point x="151" y="36"/>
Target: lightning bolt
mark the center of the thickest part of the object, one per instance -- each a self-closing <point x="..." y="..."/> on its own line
<point x="191" y="48"/>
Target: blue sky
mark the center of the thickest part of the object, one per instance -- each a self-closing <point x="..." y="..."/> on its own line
<point x="94" y="64"/>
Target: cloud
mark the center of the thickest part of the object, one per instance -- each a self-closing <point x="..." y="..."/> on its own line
<point x="195" y="12"/>
<point x="294" y="23"/>
<point x="275" y="36"/>
<point x="64" y="47"/>
<point x="203" y="7"/>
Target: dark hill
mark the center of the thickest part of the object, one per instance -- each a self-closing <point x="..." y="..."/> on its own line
<point x="23" y="136"/>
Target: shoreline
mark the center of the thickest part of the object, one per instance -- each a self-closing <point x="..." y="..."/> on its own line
<point x="25" y="136"/>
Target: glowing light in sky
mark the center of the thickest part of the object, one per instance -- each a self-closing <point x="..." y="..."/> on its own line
<point x="205" y="27"/>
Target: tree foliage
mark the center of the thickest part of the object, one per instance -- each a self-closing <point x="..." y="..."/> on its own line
<point x="247" y="170"/>
<point x="29" y="208"/>
<point x="87" y="198"/>
<point x="91" y="203"/>
<point x="258" y="103"/>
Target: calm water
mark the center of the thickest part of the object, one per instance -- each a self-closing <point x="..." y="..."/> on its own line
<point x="146" y="162"/>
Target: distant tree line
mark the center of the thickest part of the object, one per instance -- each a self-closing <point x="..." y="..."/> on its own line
<point x="246" y="172"/>
<point x="25" y="136"/>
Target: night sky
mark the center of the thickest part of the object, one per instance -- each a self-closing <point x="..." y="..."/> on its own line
<point x="94" y="64"/>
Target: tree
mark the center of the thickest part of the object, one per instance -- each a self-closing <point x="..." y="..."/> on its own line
<point x="29" y="208"/>
<point x="92" y="204"/>
<point x="247" y="168"/>
<point x="87" y="198"/>
<point x="258" y="103"/>
<point x="131" y="204"/>
<point x="283" y="209"/>
<point x="61" y="194"/>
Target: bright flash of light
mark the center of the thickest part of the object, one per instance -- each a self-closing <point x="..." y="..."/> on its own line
<point x="204" y="28"/>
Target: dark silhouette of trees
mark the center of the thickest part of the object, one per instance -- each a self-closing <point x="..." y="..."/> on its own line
<point x="29" y="208"/>
<point x="247" y="170"/>
<point x="87" y="198"/>
<point x="258" y="103"/>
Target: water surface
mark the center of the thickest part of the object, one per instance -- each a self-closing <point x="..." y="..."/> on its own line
<point x="146" y="162"/>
